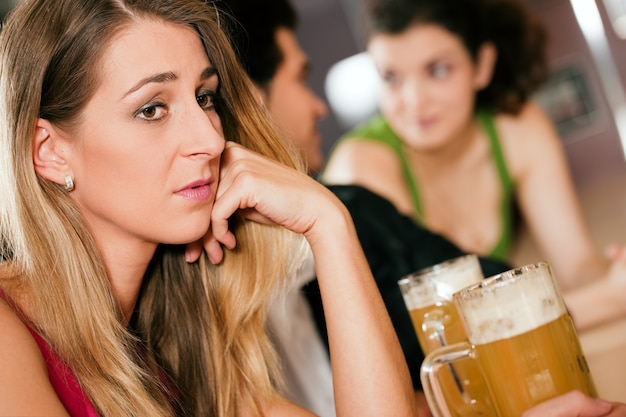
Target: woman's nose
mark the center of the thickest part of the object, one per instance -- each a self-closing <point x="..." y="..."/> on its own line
<point x="204" y="133"/>
<point x="414" y="93"/>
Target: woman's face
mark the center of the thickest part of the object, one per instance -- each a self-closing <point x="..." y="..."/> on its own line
<point x="145" y="158"/>
<point x="429" y="84"/>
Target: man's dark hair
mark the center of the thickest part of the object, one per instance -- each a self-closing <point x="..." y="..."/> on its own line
<point x="5" y="7"/>
<point x="252" y="26"/>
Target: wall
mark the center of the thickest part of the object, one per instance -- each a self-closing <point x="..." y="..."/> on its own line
<point x="326" y="35"/>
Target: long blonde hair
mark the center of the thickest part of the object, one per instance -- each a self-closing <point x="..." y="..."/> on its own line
<point x="200" y="324"/>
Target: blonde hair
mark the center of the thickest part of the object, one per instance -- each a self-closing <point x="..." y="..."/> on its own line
<point x="203" y="325"/>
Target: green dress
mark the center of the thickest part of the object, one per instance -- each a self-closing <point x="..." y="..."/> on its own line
<point x="379" y="130"/>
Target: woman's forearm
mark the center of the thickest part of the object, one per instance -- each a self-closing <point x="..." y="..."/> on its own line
<point x="369" y="370"/>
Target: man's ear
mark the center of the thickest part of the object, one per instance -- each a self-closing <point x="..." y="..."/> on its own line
<point x="485" y="64"/>
<point x="49" y="153"/>
<point x="260" y="93"/>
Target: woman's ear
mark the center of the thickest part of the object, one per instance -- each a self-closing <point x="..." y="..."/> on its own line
<point x="49" y="153"/>
<point x="485" y="63"/>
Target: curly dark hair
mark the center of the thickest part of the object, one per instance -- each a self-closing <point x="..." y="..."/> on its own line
<point x="252" y="28"/>
<point x="519" y="37"/>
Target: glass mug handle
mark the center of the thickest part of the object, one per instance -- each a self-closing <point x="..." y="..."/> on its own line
<point x="442" y="357"/>
<point x="433" y="328"/>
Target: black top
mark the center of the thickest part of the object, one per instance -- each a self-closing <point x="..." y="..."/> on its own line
<point x="395" y="246"/>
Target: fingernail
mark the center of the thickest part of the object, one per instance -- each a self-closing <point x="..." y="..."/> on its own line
<point x="188" y="258"/>
<point x="604" y="404"/>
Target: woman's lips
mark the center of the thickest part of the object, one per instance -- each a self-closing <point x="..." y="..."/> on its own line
<point x="425" y="122"/>
<point x="198" y="191"/>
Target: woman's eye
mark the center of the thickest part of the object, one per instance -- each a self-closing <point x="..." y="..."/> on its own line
<point x="390" y="78"/>
<point x="206" y="100"/>
<point x="152" y="112"/>
<point x="440" y="70"/>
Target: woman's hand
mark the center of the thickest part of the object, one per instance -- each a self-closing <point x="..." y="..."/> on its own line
<point x="367" y="358"/>
<point x="603" y="299"/>
<point x="616" y="255"/>
<point x="264" y="191"/>
<point x="576" y="404"/>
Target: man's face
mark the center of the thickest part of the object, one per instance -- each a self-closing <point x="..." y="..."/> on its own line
<point x="293" y="105"/>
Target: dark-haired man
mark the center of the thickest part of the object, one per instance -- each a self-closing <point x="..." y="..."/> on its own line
<point x="263" y="36"/>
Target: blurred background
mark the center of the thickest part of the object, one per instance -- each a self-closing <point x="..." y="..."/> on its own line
<point x="585" y="96"/>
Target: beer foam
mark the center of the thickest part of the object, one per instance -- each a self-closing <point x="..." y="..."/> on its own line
<point x="504" y="311"/>
<point x="421" y="290"/>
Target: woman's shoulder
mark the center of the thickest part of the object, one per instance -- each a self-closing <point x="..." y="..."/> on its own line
<point x="372" y="165"/>
<point x="530" y="119"/>
<point x="23" y="372"/>
<point x="19" y="353"/>
<point x="13" y="329"/>
<point x="525" y="135"/>
<point x="357" y="158"/>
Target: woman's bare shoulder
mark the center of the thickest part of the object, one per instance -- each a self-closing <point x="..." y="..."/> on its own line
<point x="14" y="331"/>
<point x="527" y="137"/>
<point x="23" y="374"/>
<point x="530" y="126"/>
<point x="19" y="353"/>
<point x="372" y="165"/>
<point x="359" y="161"/>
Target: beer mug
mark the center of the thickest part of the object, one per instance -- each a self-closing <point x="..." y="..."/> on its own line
<point x="522" y="337"/>
<point x="427" y="294"/>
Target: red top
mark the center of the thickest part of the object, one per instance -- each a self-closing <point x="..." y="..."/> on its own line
<point x="61" y="377"/>
<point x="63" y="381"/>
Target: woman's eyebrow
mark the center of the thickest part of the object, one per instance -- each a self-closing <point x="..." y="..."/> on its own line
<point x="156" y="78"/>
<point x="208" y="73"/>
<point x="167" y="77"/>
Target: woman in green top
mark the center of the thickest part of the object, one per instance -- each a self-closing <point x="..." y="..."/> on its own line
<point x="459" y="141"/>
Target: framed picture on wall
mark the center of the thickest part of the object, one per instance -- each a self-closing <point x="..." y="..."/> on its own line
<point x="567" y="99"/>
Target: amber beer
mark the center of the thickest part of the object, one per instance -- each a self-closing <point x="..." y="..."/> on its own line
<point x="537" y="365"/>
<point x="522" y="337"/>
<point x="428" y="296"/>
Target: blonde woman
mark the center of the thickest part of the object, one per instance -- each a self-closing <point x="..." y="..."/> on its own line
<point x="113" y="120"/>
